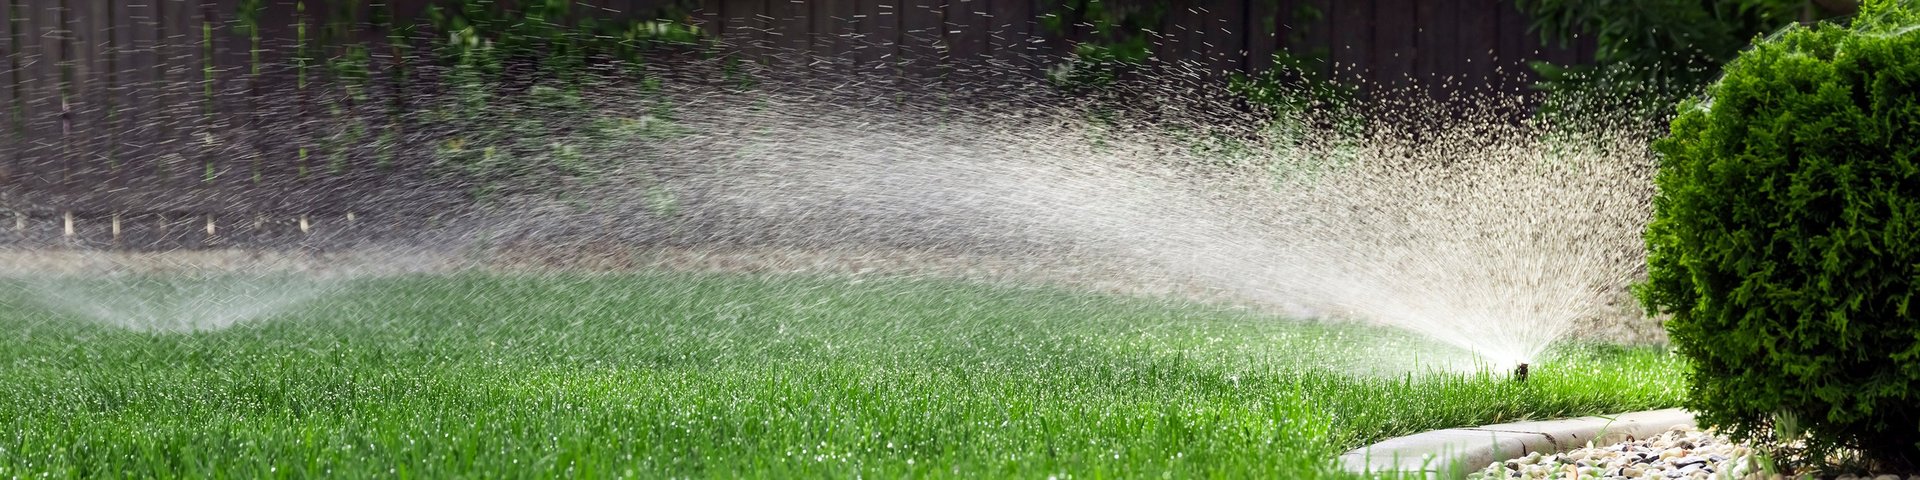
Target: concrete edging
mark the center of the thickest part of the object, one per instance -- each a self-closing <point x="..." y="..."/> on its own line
<point x="1455" y="452"/>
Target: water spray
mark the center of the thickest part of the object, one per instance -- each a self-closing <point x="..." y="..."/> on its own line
<point x="1450" y="225"/>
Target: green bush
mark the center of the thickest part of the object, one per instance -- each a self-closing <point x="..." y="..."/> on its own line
<point x="1785" y="242"/>
<point x="1651" y="52"/>
<point x="513" y="108"/>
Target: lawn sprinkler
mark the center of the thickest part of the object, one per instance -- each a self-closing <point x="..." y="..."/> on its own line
<point x="1520" y="373"/>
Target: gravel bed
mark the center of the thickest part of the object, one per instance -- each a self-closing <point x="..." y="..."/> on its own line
<point x="1682" y="452"/>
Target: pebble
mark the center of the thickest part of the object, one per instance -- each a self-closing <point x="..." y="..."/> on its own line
<point x="1679" y="453"/>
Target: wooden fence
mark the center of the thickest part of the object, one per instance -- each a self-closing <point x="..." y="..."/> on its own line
<point x="1382" y="42"/>
<point x="179" y="109"/>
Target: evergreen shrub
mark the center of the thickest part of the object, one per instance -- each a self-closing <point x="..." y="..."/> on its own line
<point x="1785" y="242"/>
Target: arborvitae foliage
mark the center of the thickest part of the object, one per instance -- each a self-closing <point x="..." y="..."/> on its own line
<point x="1786" y="241"/>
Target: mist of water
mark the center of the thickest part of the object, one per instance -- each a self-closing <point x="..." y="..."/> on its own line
<point x="164" y="292"/>
<point x="1492" y="235"/>
<point x="1496" y="236"/>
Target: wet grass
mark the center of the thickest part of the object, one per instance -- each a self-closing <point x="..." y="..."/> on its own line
<point x="729" y="376"/>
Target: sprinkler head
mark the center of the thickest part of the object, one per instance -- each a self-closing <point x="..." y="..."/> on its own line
<point x="1520" y="373"/>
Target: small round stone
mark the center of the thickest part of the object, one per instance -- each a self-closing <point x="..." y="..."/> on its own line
<point x="1679" y="453"/>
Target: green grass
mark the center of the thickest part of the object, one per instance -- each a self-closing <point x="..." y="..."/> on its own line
<point x="728" y="376"/>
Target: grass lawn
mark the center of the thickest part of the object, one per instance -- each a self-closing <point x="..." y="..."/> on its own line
<point x="657" y="375"/>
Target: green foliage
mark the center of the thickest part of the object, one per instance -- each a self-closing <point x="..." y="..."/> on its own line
<point x="1118" y="39"/>
<point x="1295" y="95"/>
<point x="548" y="36"/>
<point x="248" y="25"/>
<point x="1297" y="82"/>
<point x="1786" y="240"/>
<point x="1114" y="37"/>
<point x="514" y="107"/>
<point x="1652" y="52"/>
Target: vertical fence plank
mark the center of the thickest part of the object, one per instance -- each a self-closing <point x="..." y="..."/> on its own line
<point x="394" y="73"/>
<point x="1527" y="48"/>
<point x="1394" y="44"/>
<point x="967" y="26"/>
<point x="274" y="97"/>
<point x="1261" y="25"/>
<point x="1510" y="24"/>
<point x="711" y="17"/>
<point x="166" y="151"/>
<point x="120" y="92"/>
<point x="107" y="96"/>
<point x="1055" y="43"/>
<point x="84" y="105"/>
<point x="24" y="111"/>
<point x="101" y="87"/>
<point x="793" y="32"/>
<point x="844" y="19"/>
<point x="168" y="109"/>
<point x="138" y="76"/>
<point x="344" y="130"/>
<point x="216" y="136"/>
<point x="1176" y="34"/>
<point x="1352" y="39"/>
<point x="60" y="50"/>
<point x="1012" y="37"/>
<point x="1275" y="21"/>
<point x="878" y="40"/>
<point x="1316" y="33"/>
<point x="922" y="45"/>
<point x="1223" y="36"/>
<point x="43" y="95"/>
<point x="189" y="26"/>
<point x="233" y="107"/>
<point x="1439" y="54"/>
<point x="10" y="138"/>
<point x="848" y="17"/>
<point x="1480" y="41"/>
<point x="304" y="59"/>
<point x="753" y="28"/>
<point x="816" y="18"/>
<point x="825" y="30"/>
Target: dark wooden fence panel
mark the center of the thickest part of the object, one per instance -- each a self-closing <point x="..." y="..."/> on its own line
<point x="1261" y="26"/>
<point x="793" y="29"/>
<point x="922" y="44"/>
<point x="876" y="31"/>
<point x="749" y="25"/>
<point x="107" y="107"/>
<point x="966" y="28"/>
<point x="138" y="139"/>
<point x="1347" y="33"/>
<point x="10" y="77"/>
<point x="1011" y="34"/>
<point x="36" y="72"/>
<point x="1479" y="41"/>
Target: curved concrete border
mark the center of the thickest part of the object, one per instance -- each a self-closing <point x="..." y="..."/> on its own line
<point x="1455" y="452"/>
